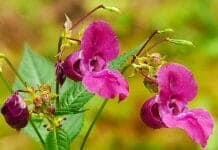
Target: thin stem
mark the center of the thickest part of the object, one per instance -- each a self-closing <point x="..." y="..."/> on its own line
<point x="57" y="83"/>
<point x="76" y="40"/>
<point x="156" y="44"/>
<point x="148" y="40"/>
<point x="14" y="70"/>
<point x="37" y="132"/>
<point x="148" y="78"/>
<point x="5" y="81"/>
<point x="86" y="15"/>
<point x="57" y="92"/>
<point x="125" y="68"/>
<point x="93" y="123"/>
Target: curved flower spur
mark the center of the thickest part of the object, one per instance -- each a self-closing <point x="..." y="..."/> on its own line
<point x="169" y="108"/>
<point x="90" y="65"/>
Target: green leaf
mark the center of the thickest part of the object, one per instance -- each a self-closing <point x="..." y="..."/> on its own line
<point x="73" y="98"/>
<point x="73" y="125"/>
<point x="57" y="140"/>
<point x="39" y="124"/>
<point x="37" y="70"/>
<point x="120" y="61"/>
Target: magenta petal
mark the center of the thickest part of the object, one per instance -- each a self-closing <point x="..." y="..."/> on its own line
<point x="99" y="40"/>
<point x="150" y="114"/>
<point x="107" y="83"/>
<point x="73" y="67"/>
<point x="198" y="123"/>
<point x="177" y="81"/>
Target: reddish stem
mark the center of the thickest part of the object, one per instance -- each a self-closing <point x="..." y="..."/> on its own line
<point x="86" y="15"/>
<point x="148" y="40"/>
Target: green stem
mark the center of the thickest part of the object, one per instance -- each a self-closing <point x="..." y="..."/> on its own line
<point x="37" y="132"/>
<point x="125" y="68"/>
<point x="5" y="81"/>
<point x="57" y="83"/>
<point x="14" y="70"/>
<point x="57" y="92"/>
<point x="93" y="123"/>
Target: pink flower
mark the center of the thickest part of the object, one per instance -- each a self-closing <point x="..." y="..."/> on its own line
<point x="169" y="108"/>
<point x="99" y="46"/>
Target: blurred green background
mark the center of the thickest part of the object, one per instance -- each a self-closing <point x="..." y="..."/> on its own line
<point x="40" y="22"/>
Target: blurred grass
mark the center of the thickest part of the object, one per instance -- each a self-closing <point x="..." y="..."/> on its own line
<point x="40" y="23"/>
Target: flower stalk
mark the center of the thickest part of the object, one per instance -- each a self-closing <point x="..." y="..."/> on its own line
<point x="93" y="123"/>
<point x="13" y="69"/>
<point x="88" y="14"/>
<point x="6" y="83"/>
<point x="148" y="40"/>
<point x="37" y="132"/>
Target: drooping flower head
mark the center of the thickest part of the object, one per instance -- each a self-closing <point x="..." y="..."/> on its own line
<point x="99" y="46"/>
<point x="169" y="108"/>
<point x="15" y="111"/>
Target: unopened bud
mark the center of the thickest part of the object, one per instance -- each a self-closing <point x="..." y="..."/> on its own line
<point x="60" y="75"/>
<point x="156" y="58"/>
<point x="151" y="86"/>
<point x="180" y="42"/>
<point x="51" y="109"/>
<point x="112" y="9"/>
<point x="38" y="102"/>
<point x="15" y="111"/>
<point x="165" y="30"/>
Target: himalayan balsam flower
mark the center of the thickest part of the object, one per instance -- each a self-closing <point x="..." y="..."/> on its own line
<point x="99" y="46"/>
<point x="15" y="111"/>
<point x="169" y="108"/>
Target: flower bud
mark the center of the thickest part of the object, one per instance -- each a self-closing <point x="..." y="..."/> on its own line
<point x="38" y="102"/>
<point x="60" y="76"/>
<point x="156" y="59"/>
<point x="51" y="109"/>
<point x="15" y="111"/>
<point x="151" y="86"/>
<point x="180" y="42"/>
<point x="112" y="9"/>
